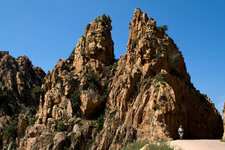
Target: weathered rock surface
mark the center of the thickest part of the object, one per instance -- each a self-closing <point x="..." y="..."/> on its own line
<point x="91" y="101"/>
<point x="151" y="93"/>
<point x="76" y="87"/>
<point x="95" y="48"/>
<point x="19" y="96"/>
<point x="17" y="79"/>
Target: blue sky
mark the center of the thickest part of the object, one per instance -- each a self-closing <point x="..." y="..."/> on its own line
<point x="46" y="30"/>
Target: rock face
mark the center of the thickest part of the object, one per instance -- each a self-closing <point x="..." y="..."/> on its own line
<point x="151" y="93"/>
<point x="95" y="48"/>
<point x="17" y="79"/>
<point x="77" y="87"/>
<point x="92" y="101"/>
<point x="19" y="82"/>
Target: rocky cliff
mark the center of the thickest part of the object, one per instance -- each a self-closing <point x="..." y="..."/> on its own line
<point x="19" y="95"/>
<point x="75" y="93"/>
<point x="92" y="101"/>
<point x="151" y="93"/>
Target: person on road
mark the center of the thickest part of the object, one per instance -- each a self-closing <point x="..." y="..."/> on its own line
<point x="181" y="132"/>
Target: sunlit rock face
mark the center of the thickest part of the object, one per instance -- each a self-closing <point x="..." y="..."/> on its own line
<point x="20" y="85"/>
<point x="151" y="93"/>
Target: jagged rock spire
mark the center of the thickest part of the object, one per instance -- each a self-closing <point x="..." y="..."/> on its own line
<point x="96" y="44"/>
<point x="139" y="24"/>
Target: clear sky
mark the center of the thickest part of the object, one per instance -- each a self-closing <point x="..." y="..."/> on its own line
<point x="46" y="30"/>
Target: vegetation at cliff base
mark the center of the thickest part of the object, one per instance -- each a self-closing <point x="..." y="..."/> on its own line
<point x="160" y="146"/>
<point x="135" y="145"/>
<point x="222" y="140"/>
<point x="149" y="146"/>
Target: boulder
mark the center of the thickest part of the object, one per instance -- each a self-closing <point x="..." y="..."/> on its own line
<point x="60" y="140"/>
<point x="90" y="103"/>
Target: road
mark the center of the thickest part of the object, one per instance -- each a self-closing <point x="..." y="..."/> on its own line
<point x="198" y="144"/>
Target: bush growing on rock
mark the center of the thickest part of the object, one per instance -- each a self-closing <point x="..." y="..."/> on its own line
<point x="148" y="146"/>
<point x="75" y="100"/>
<point x="102" y="19"/>
<point x="163" y="28"/>
<point x="37" y="91"/>
<point x="61" y="127"/>
<point x="138" y="86"/>
<point x="10" y="131"/>
<point x="156" y="107"/>
<point x="135" y="145"/>
<point x="100" y="123"/>
<point x="93" y="81"/>
<point x="71" y="57"/>
<point x="57" y="78"/>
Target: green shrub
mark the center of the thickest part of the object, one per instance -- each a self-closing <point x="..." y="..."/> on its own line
<point x="222" y="140"/>
<point x="102" y="19"/>
<point x="93" y="81"/>
<point x="105" y="95"/>
<point x="157" y="87"/>
<point x="10" y="131"/>
<point x="150" y="38"/>
<point x="135" y="145"/>
<point x="57" y="78"/>
<point x="137" y="90"/>
<point x="82" y="52"/>
<point x="71" y="57"/>
<point x="153" y="25"/>
<point x="159" y="76"/>
<point x="161" y="146"/>
<point x="88" y="27"/>
<point x="100" y="123"/>
<point x="14" y="146"/>
<point x="159" y="79"/>
<point x="159" y="53"/>
<point x="151" y="146"/>
<point x="135" y="42"/>
<point x="61" y="127"/>
<point x="163" y="28"/>
<point x="37" y="91"/>
<point x="156" y="107"/>
<point x="75" y="100"/>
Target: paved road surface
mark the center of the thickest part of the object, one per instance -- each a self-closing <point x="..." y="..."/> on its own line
<point x="198" y="144"/>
